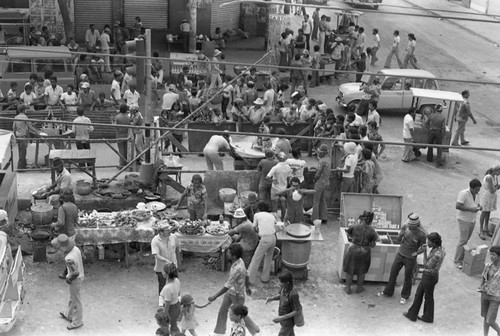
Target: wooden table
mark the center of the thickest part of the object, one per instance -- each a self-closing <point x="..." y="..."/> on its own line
<point x="75" y="157"/>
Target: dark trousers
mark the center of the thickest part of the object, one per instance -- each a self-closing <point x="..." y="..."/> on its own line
<point x="161" y="281"/>
<point x="22" y="146"/>
<point x="425" y="291"/>
<point x="122" y="149"/>
<point x="308" y="39"/>
<point x="185" y="41"/>
<point x="82" y="145"/>
<point x="435" y="137"/>
<point x="315" y="31"/>
<point x="399" y="262"/>
<point x="224" y="105"/>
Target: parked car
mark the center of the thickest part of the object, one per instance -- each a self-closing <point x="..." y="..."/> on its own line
<point x="371" y="4"/>
<point x="395" y="89"/>
<point x="17" y="63"/>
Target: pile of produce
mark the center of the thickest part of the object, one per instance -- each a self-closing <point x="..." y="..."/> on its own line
<point x="94" y="219"/>
<point x="141" y="215"/>
<point x="192" y="228"/>
<point x="217" y="229"/>
<point x="166" y="214"/>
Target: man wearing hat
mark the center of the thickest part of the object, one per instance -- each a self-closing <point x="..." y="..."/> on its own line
<point x="321" y="184"/>
<point x="412" y="237"/>
<point x="166" y="249"/>
<point x="244" y="233"/>
<point x="185" y="30"/>
<point x="279" y="175"/>
<point x="257" y="112"/>
<point x="63" y="180"/>
<point x="436" y="124"/>
<point x="87" y="98"/>
<point x="74" y="278"/>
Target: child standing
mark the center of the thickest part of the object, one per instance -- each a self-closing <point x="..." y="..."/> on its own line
<point x="237" y="313"/>
<point x="188" y="320"/>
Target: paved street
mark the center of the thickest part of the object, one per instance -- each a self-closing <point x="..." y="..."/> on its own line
<point x="452" y="50"/>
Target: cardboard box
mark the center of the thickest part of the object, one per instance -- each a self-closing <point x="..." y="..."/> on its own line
<point x="473" y="263"/>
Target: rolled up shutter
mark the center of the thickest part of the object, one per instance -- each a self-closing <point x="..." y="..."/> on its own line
<point x="153" y="13"/>
<point x="98" y="12"/>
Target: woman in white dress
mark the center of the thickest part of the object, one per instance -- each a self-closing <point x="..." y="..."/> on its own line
<point x="488" y="200"/>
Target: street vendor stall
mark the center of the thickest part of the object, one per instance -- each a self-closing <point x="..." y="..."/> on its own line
<point x="425" y="101"/>
<point x="124" y="227"/>
<point x="387" y="211"/>
<point x="244" y="147"/>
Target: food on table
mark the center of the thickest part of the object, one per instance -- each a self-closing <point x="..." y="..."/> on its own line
<point x="217" y="229"/>
<point x="124" y="219"/>
<point x="191" y="228"/>
<point x="88" y="219"/>
<point x="141" y="215"/>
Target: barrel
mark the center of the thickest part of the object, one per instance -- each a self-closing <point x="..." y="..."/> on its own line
<point x="295" y="254"/>
<point x="41" y="214"/>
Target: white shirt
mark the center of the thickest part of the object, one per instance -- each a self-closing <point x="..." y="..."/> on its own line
<point x="115" y="90"/>
<point x="168" y="100"/>
<point x="465" y="198"/>
<point x="104" y="39"/>
<point x="373" y="116"/>
<point x="91" y="38"/>
<point x="27" y="99"/>
<point x="269" y="99"/>
<point x="305" y="113"/>
<point x="265" y="222"/>
<point x="53" y="94"/>
<point x="217" y="142"/>
<point x="306" y="26"/>
<point x="376" y="41"/>
<point x="131" y="98"/>
<point x="395" y="42"/>
<point x="280" y="174"/>
<point x="351" y="161"/>
<point x="69" y="99"/>
<point x="407" y="126"/>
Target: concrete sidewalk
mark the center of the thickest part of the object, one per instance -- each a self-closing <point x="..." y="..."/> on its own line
<point x="487" y="31"/>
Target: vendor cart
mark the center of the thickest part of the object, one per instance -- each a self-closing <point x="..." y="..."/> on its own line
<point x="387" y="211"/>
<point x="425" y="102"/>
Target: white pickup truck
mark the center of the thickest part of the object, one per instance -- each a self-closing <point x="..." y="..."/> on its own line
<point x="395" y="85"/>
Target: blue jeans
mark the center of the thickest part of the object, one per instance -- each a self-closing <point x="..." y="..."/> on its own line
<point x="228" y="301"/>
<point x="399" y="262"/>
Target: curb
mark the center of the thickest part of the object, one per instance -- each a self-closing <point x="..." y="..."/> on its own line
<point x="454" y="23"/>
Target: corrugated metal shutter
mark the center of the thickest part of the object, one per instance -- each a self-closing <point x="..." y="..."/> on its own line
<point x="98" y="12"/>
<point x="153" y="13"/>
<point x="227" y="17"/>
